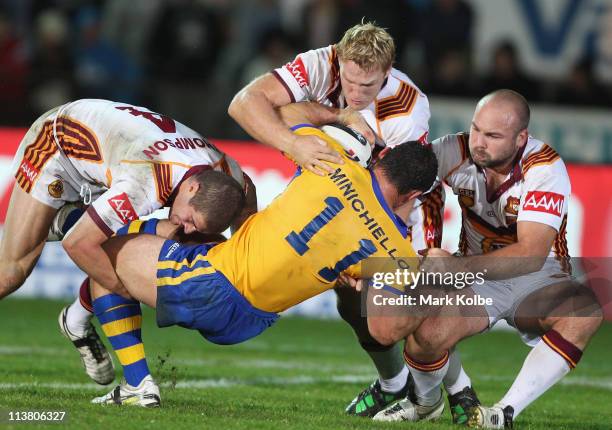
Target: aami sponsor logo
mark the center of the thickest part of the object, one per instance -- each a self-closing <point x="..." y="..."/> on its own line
<point x="29" y="171"/>
<point x="431" y="233"/>
<point x="298" y="71"/>
<point x="544" y="201"/>
<point x="123" y="207"/>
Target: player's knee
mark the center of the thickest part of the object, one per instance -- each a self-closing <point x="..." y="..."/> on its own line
<point x="385" y="331"/>
<point x="430" y="340"/>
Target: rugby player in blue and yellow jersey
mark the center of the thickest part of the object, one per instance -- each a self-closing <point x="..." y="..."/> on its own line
<point x="319" y="228"/>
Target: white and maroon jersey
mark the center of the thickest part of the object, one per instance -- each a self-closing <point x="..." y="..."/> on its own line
<point x="399" y="113"/>
<point x="129" y="159"/>
<point x="537" y="189"/>
<point x="401" y="110"/>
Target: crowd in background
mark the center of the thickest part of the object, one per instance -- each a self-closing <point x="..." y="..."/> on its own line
<point x="187" y="58"/>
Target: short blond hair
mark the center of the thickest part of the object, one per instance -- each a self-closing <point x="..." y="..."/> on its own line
<point x="367" y="45"/>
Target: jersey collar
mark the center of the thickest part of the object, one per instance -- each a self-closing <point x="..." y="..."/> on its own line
<point x="399" y="223"/>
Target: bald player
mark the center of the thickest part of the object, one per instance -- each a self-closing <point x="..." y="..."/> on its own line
<point x="514" y="192"/>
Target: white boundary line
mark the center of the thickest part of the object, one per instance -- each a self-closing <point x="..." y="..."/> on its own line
<point x="281" y="381"/>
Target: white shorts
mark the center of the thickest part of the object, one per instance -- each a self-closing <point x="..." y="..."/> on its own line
<point x="37" y="169"/>
<point x="509" y="294"/>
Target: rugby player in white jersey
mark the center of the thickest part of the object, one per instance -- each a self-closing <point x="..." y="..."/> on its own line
<point x="355" y="75"/>
<point x="514" y="193"/>
<point x="123" y="162"/>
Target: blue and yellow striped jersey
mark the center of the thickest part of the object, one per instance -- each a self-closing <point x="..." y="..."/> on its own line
<point x="319" y="227"/>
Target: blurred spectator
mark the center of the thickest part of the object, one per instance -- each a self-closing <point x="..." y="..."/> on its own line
<point x="183" y="50"/>
<point x="51" y="78"/>
<point x="506" y="73"/>
<point x="320" y="24"/>
<point x="396" y="16"/>
<point x="452" y="76"/>
<point x="102" y="70"/>
<point x="275" y="49"/>
<point x="128" y="25"/>
<point x="582" y="88"/>
<point x="445" y="26"/>
<point x="13" y="75"/>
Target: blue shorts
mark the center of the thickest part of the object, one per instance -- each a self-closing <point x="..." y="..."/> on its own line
<point x="192" y="294"/>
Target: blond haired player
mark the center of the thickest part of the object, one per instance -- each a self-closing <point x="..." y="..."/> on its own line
<point x="514" y="193"/>
<point x="354" y="75"/>
<point x="124" y="162"/>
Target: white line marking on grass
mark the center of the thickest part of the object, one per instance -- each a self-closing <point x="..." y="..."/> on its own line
<point x="201" y="383"/>
<point x="574" y="381"/>
<point x="278" y="381"/>
<point x="272" y="364"/>
<point x="28" y="350"/>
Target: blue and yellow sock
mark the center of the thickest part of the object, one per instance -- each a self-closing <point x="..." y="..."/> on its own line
<point x="121" y="320"/>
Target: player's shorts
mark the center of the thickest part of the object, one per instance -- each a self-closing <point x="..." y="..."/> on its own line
<point x="37" y="169"/>
<point x="508" y="294"/>
<point x="192" y="294"/>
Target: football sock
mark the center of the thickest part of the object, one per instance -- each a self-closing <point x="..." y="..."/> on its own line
<point x="390" y="367"/>
<point x="395" y="384"/>
<point x="549" y="361"/>
<point x="79" y="313"/>
<point x="456" y="379"/>
<point x="121" y="320"/>
<point x="427" y="378"/>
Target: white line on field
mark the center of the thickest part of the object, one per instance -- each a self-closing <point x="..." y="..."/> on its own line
<point x="281" y="381"/>
<point x="272" y="364"/>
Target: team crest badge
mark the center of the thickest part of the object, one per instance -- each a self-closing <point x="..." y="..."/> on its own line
<point x="56" y="188"/>
<point x="466" y="197"/>
<point x="511" y="209"/>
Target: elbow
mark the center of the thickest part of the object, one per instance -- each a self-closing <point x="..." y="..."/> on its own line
<point x="70" y="245"/>
<point x="238" y="105"/>
<point x="76" y="247"/>
<point x="234" y="107"/>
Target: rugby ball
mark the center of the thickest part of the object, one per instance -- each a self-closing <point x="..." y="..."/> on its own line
<point x="355" y="145"/>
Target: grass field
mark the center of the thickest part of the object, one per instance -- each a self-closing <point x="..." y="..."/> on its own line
<point x="298" y="375"/>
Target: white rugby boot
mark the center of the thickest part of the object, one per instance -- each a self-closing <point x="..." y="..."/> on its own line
<point x="145" y="395"/>
<point x="96" y="360"/>
<point x="494" y="417"/>
<point x="405" y="410"/>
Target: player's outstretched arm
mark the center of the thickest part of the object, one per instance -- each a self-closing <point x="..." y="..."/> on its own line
<point x="527" y="255"/>
<point x="254" y="108"/>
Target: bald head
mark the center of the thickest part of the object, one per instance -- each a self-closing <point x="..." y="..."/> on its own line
<point x="511" y="103"/>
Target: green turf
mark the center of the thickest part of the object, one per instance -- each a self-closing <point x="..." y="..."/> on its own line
<point x="299" y="374"/>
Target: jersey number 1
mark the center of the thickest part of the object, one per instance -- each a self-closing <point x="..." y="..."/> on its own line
<point x="299" y="241"/>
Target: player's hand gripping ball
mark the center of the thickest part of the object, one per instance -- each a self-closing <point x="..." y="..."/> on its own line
<point x="355" y="145"/>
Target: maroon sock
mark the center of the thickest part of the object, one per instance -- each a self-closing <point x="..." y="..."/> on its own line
<point x="85" y="295"/>
<point x="565" y="349"/>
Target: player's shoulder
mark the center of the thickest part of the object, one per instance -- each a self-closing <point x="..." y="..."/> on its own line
<point x="400" y="97"/>
<point x="323" y="56"/>
<point x="539" y="158"/>
<point x="456" y="141"/>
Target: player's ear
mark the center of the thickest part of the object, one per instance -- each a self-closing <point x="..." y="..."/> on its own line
<point x="194" y="186"/>
<point x="383" y="152"/>
<point x="522" y="137"/>
<point x="410" y="195"/>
